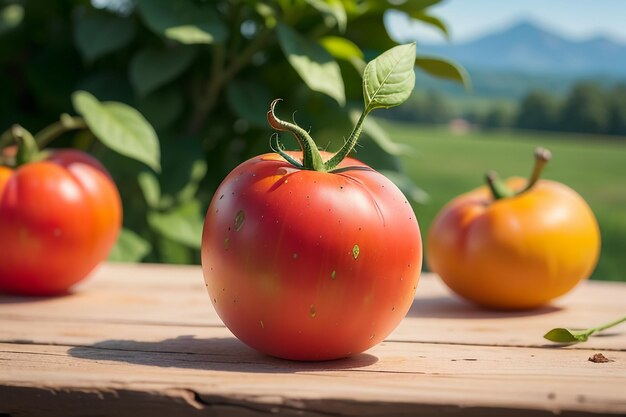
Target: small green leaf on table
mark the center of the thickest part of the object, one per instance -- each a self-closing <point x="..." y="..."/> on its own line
<point x="562" y="335"/>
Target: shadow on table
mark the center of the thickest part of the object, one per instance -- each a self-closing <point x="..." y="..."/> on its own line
<point x="24" y="299"/>
<point x="216" y="354"/>
<point x="455" y="308"/>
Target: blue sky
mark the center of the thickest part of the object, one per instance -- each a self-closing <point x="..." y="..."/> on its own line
<point x="467" y="19"/>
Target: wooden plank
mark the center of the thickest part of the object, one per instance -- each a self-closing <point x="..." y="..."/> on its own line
<point x="405" y="374"/>
<point x="142" y="339"/>
<point x="167" y="295"/>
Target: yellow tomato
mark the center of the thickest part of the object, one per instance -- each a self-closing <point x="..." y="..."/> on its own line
<point x="517" y="251"/>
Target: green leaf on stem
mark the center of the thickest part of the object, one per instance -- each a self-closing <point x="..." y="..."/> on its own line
<point x="313" y="63"/>
<point x="129" y="247"/>
<point x="561" y="335"/>
<point x="183" y="224"/>
<point x="184" y="21"/>
<point x="389" y="79"/>
<point x="151" y="68"/>
<point x="120" y="128"/>
<point x="97" y="34"/>
<point x="444" y="68"/>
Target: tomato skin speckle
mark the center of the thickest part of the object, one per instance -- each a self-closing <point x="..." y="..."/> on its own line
<point x="294" y="264"/>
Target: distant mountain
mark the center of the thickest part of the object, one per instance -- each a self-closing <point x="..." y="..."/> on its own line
<point x="526" y="47"/>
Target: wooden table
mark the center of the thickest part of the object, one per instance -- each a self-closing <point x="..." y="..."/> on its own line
<point x="144" y="340"/>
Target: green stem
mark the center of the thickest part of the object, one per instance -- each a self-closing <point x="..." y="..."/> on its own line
<point x="347" y="147"/>
<point x="499" y="189"/>
<point x="27" y="147"/>
<point x="542" y="156"/>
<point x="53" y="131"/>
<point x="606" y="326"/>
<point x="312" y="159"/>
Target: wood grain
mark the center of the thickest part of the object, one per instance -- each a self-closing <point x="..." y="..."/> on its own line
<point x="144" y="340"/>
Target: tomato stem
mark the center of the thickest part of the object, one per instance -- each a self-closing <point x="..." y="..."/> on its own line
<point x="498" y="188"/>
<point x="542" y="156"/>
<point x="65" y="124"/>
<point x="27" y="149"/>
<point x="347" y="147"/>
<point x="312" y="159"/>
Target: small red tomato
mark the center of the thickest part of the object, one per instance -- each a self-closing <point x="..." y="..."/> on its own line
<point x="58" y="219"/>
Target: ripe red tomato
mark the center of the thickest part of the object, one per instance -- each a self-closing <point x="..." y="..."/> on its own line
<point x="310" y="265"/>
<point x="58" y="219"/>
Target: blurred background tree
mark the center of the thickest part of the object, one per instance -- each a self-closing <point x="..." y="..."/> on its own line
<point x="203" y="74"/>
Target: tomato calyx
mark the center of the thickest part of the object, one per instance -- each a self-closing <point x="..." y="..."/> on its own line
<point x="312" y="158"/>
<point x="29" y="145"/>
<point x="499" y="190"/>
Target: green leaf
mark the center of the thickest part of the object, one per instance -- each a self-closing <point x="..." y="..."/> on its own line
<point x="183" y="20"/>
<point x="341" y="48"/>
<point x="344" y="49"/>
<point x="129" y="247"/>
<point x="444" y="68"/>
<point x="183" y="224"/>
<point x="97" y="34"/>
<point x="151" y="68"/>
<point x="333" y="11"/>
<point x="249" y="100"/>
<point x="150" y="188"/>
<point x="120" y="128"/>
<point x="561" y="335"/>
<point x="10" y="17"/>
<point x="389" y="79"/>
<point x="432" y="21"/>
<point x="313" y="63"/>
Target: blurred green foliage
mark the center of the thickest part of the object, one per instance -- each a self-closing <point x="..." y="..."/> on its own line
<point x="202" y="73"/>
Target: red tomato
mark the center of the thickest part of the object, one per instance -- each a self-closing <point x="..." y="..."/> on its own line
<point x="58" y="219"/>
<point x="310" y="265"/>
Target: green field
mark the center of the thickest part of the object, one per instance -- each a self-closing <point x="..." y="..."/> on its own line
<point x="446" y="165"/>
